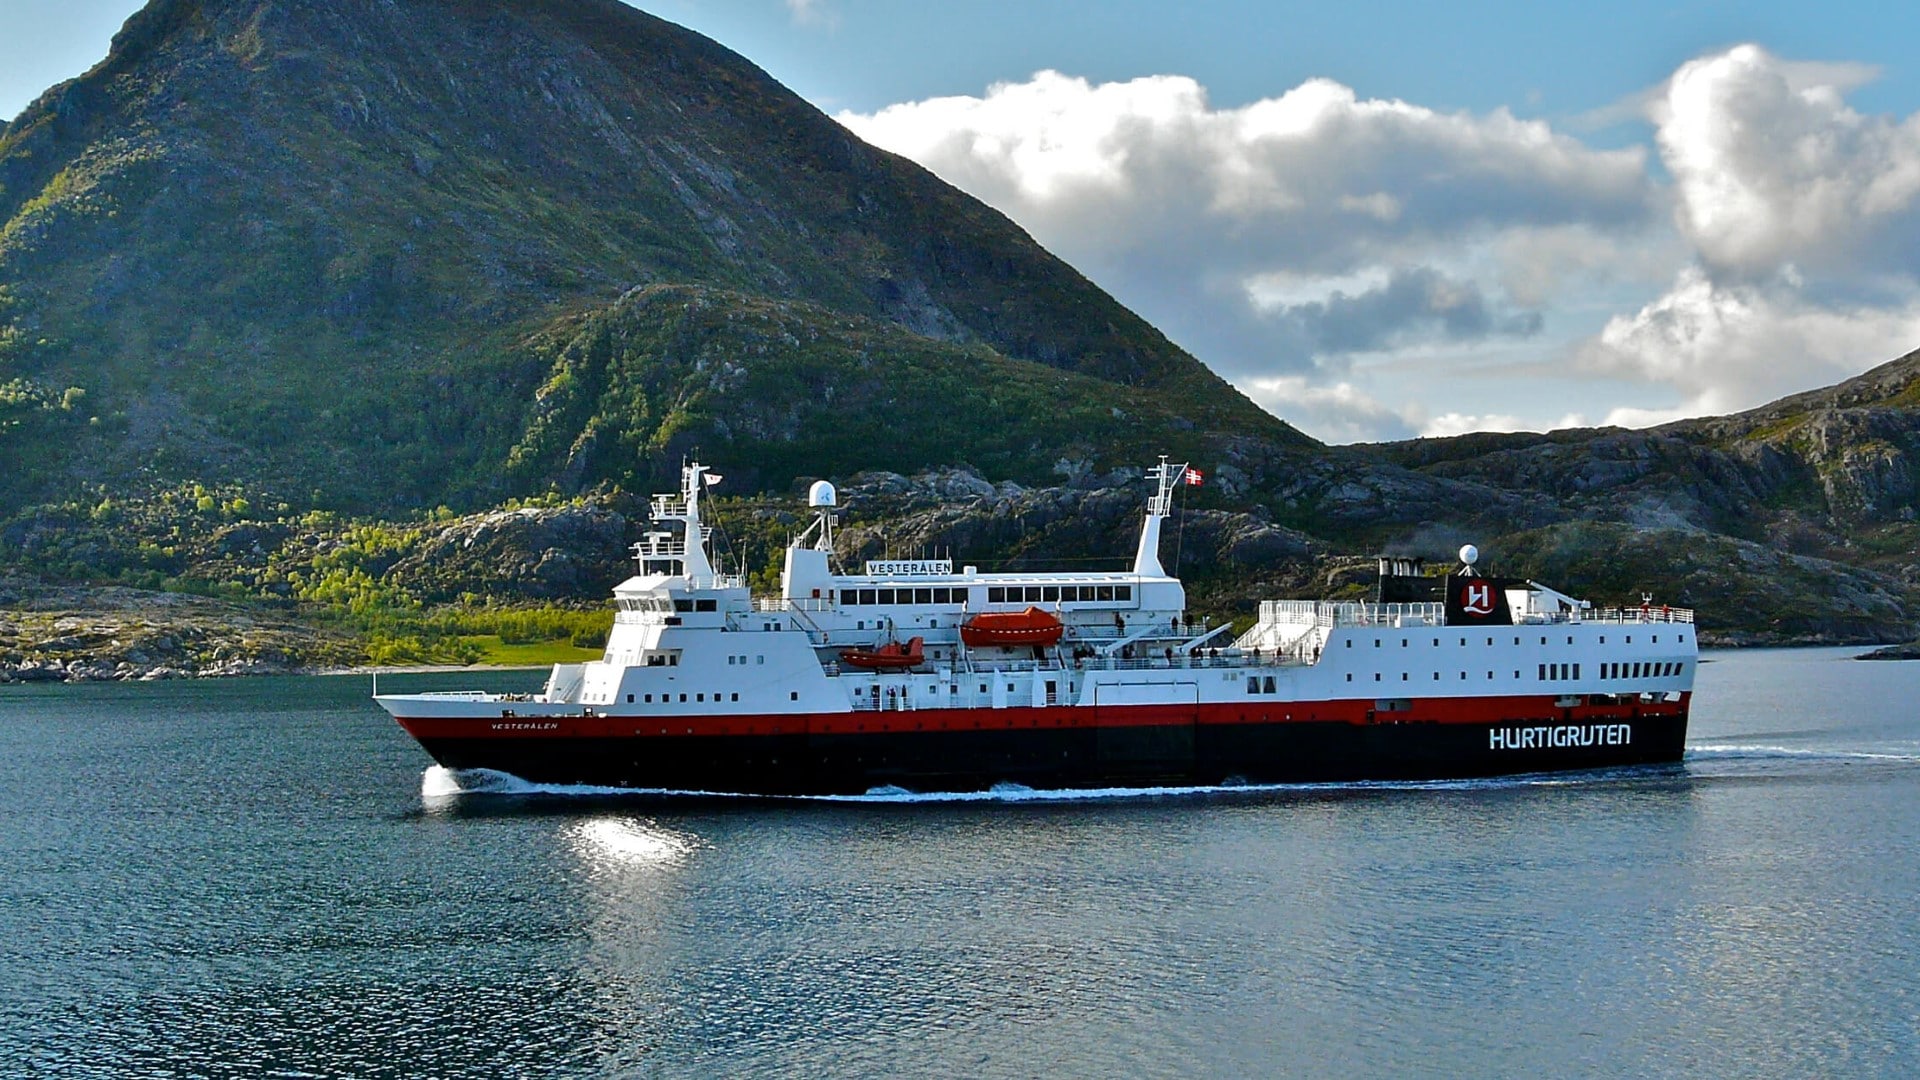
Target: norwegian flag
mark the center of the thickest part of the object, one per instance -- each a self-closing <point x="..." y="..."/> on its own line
<point x="1195" y="478"/>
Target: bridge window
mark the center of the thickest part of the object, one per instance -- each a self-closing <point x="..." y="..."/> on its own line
<point x="1103" y="592"/>
<point x="1123" y="592"/>
<point x="996" y="594"/>
<point x="707" y="605"/>
<point x="1050" y="593"/>
<point x="923" y="596"/>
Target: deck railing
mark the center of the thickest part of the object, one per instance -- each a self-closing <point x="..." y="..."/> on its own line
<point x="1351" y="613"/>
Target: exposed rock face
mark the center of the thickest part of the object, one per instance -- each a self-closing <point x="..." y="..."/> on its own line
<point x="528" y="554"/>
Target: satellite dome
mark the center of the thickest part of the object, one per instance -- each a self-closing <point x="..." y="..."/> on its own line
<point x="1469" y="554"/>
<point x="822" y="494"/>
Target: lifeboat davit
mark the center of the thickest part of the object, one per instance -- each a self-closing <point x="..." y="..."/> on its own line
<point x="1033" y="626"/>
<point x="893" y="654"/>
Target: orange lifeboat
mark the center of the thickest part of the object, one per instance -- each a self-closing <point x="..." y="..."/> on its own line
<point x="892" y="655"/>
<point x="1033" y="626"/>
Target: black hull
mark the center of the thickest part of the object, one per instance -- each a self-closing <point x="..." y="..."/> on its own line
<point x="1123" y="757"/>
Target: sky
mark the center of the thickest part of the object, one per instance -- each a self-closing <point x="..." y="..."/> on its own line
<point x="1387" y="220"/>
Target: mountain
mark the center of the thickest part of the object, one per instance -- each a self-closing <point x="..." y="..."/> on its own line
<point x="298" y="298"/>
<point x="354" y="251"/>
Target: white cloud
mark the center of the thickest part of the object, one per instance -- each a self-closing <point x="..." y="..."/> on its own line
<point x="1771" y="167"/>
<point x="1731" y="346"/>
<point x="1455" y="423"/>
<point x="1186" y="212"/>
<point x="1801" y="218"/>
<point x="1340" y="412"/>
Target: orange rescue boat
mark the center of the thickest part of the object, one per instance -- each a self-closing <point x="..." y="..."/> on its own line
<point x="891" y="655"/>
<point x="1033" y="626"/>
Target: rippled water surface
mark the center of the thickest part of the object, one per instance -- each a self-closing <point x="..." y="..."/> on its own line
<point x="262" y="877"/>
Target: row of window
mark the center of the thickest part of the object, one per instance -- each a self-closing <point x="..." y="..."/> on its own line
<point x="996" y="594"/>
<point x="666" y="698"/>
<point x="1048" y="594"/>
<point x="1404" y="677"/>
<point x="1436" y="641"/>
<point x="954" y="688"/>
<point x="1559" y="672"/>
<point x="1639" y="670"/>
<point x="660" y="605"/>
<point x="867" y="597"/>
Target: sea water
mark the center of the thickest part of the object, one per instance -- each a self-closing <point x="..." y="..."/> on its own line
<point x="265" y="878"/>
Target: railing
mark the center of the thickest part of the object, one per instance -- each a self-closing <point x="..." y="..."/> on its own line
<point x="780" y="603"/>
<point x="1661" y="614"/>
<point x="1179" y="661"/>
<point x="1348" y="613"/>
<point x="1352" y="613"/>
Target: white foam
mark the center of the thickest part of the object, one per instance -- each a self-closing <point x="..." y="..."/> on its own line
<point x="1741" y="751"/>
<point x="440" y="784"/>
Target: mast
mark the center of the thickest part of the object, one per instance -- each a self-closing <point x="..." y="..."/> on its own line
<point x="661" y="552"/>
<point x="1146" y="560"/>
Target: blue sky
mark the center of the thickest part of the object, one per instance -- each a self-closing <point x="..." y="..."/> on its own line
<point x="1389" y="219"/>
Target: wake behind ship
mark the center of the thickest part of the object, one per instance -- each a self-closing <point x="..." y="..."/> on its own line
<point x="916" y="676"/>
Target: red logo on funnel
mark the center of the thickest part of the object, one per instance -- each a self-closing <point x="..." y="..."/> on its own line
<point x="1476" y="598"/>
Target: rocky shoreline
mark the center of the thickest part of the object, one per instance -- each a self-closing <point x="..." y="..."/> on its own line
<point x="1909" y="651"/>
<point x="112" y="634"/>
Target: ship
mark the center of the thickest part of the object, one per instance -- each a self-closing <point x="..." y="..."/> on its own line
<point x="915" y="676"/>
